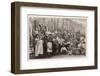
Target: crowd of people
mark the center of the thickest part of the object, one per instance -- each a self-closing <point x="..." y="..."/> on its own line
<point x="44" y="43"/>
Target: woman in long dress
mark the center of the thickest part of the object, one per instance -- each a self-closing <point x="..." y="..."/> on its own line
<point x="49" y="46"/>
<point x="39" y="47"/>
<point x="45" y="40"/>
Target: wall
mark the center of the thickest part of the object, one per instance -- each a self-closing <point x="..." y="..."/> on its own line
<point x="5" y="37"/>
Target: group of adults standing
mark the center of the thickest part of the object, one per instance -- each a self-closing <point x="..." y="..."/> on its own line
<point x="47" y="44"/>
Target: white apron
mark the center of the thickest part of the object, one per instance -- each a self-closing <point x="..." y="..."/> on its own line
<point x="49" y="47"/>
<point x="39" y="47"/>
